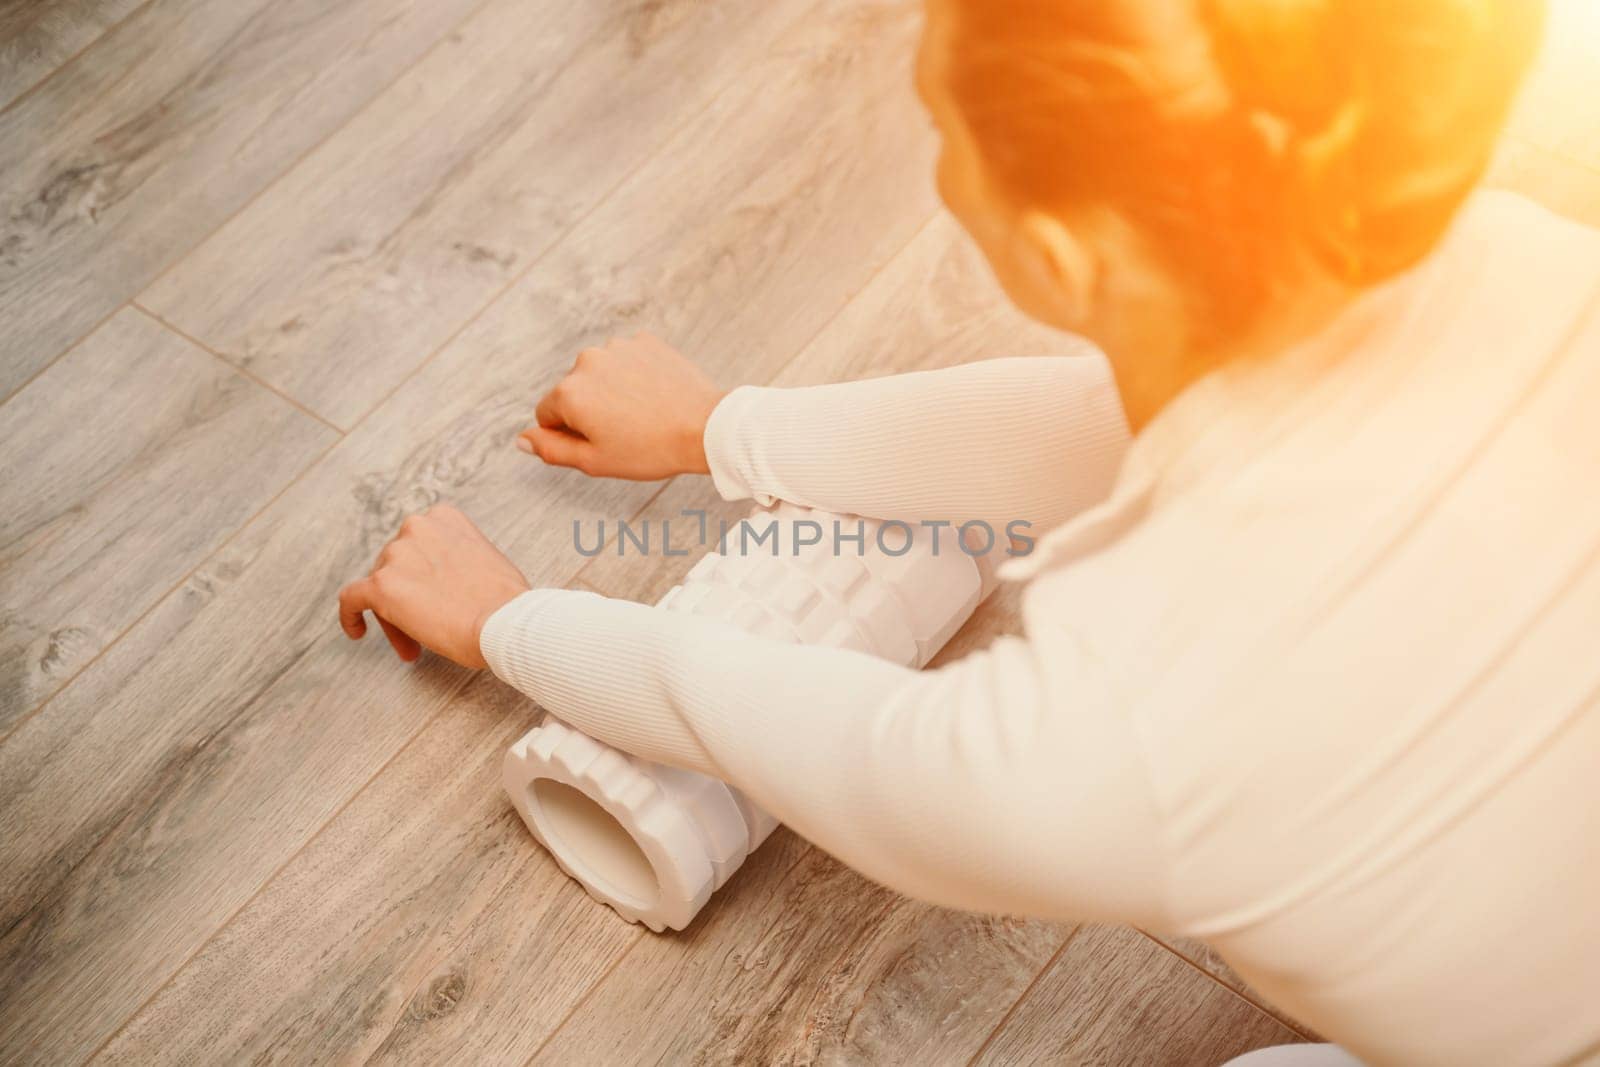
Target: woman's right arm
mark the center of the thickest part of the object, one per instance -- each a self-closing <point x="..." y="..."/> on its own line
<point x="1009" y="781"/>
<point x="1036" y="439"/>
<point x="1012" y="780"/>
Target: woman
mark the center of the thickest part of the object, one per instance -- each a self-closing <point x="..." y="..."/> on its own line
<point x="1315" y="677"/>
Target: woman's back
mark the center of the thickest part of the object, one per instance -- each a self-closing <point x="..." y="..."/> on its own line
<point x="1352" y="614"/>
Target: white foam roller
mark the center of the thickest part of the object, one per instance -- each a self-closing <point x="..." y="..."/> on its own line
<point x="654" y="842"/>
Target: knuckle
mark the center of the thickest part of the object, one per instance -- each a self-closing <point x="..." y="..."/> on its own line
<point x="410" y="526"/>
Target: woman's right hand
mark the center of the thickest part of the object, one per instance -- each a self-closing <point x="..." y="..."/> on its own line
<point x="633" y="408"/>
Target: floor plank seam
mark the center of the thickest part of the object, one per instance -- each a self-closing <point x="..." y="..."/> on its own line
<point x="1026" y="993"/>
<point x="59" y="356"/>
<point x="67" y="682"/>
<point x="69" y="60"/>
<point x="807" y="848"/>
<point x="316" y="145"/>
<point x="1263" y="1008"/>
<point x="200" y="745"/>
<point x="639" y="936"/>
<point x="805" y="851"/>
<point x="933" y="217"/>
<point x="200" y="947"/>
<point x="645" y="158"/>
<point x="250" y="200"/>
<point x="243" y="372"/>
<point x="382" y="400"/>
<point x="557" y="242"/>
<point x="799" y="351"/>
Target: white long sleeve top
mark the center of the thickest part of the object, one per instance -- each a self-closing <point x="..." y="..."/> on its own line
<point x="1312" y="672"/>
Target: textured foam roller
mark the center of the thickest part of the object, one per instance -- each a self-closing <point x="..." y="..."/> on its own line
<point x="654" y="842"/>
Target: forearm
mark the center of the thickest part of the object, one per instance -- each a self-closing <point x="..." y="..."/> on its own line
<point x="955" y="786"/>
<point x="1037" y="440"/>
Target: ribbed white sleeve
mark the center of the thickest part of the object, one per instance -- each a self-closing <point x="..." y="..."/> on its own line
<point x="1035" y="439"/>
<point x="1006" y="782"/>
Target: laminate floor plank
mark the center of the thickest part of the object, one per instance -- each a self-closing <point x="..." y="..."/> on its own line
<point x="1209" y="960"/>
<point x="234" y="721"/>
<point x="126" y="463"/>
<point x="36" y="38"/>
<point x="807" y="962"/>
<point x="1115" y="997"/>
<point x="145" y="142"/>
<point x="233" y="835"/>
<point x="395" y="894"/>
<point x="369" y="254"/>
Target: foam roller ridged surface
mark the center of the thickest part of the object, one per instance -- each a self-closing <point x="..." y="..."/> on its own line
<point x="692" y="832"/>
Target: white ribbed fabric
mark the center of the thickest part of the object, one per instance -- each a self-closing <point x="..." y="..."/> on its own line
<point x="1036" y="440"/>
<point x="1317" y="682"/>
<point x="942" y="784"/>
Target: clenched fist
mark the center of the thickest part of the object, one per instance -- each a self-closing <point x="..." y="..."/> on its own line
<point x="434" y="586"/>
<point x="632" y="409"/>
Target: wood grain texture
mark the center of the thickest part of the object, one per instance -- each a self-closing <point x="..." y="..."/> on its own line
<point x="36" y="37"/>
<point x="1208" y="959"/>
<point x="432" y="914"/>
<point x="372" y="251"/>
<point x="233" y="721"/>
<point x="235" y="836"/>
<point x="126" y="463"/>
<point x="1115" y="997"/>
<point x="806" y="962"/>
<point x="138" y="148"/>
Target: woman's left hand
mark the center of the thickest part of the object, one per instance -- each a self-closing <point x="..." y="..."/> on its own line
<point x="630" y="409"/>
<point x="434" y="586"/>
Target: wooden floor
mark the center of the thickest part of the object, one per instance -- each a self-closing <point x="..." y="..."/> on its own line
<point x="273" y="275"/>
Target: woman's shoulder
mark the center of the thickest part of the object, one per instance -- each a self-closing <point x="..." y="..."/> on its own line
<point x="1421" y="422"/>
<point x="1528" y="240"/>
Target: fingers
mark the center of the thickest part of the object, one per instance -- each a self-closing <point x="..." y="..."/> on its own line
<point x="560" y="448"/>
<point x="405" y="646"/>
<point x="418" y="579"/>
<point x="355" y="599"/>
<point x="551" y="411"/>
<point x="359" y="597"/>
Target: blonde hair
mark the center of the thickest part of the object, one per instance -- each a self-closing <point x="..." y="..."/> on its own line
<point x="1244" y="138"/>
